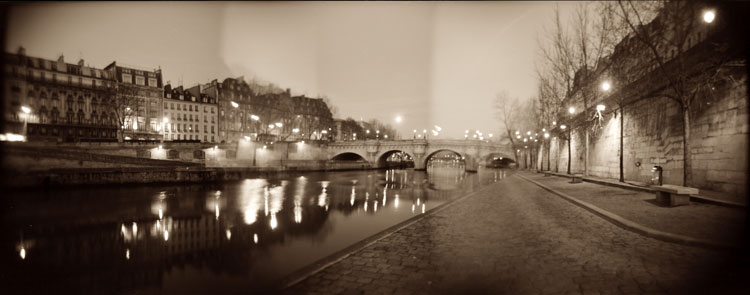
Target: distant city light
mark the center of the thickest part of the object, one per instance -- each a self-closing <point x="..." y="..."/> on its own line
<point x="398" y="119"/>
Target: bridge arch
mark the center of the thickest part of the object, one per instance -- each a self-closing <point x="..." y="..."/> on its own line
<point x="349" y="156"/>
<point x="497" y="160"/>
<point x="463" y="157"/>
<point x="383" y="157"/>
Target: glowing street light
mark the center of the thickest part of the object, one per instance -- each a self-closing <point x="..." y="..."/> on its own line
<point x="562" y="127"/>
<point x="606" y="86"/>
<point x="554" y="123"/>
<point x="709" y="16"/>
<point x="234" y="104"/>
<point x="546" y="135"/>
<point x="600" y="107"/>
<point x="25" y="109"/>
<point x="278" y="124"/>
<point x="254" y="117"/>
<point x="528" y="132"/>
<point x="398" y="119"/>
<point x="295" y="130"/>
<point x="571" y="110"/>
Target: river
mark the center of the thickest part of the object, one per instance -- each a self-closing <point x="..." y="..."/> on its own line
<point x="233" y="237"/>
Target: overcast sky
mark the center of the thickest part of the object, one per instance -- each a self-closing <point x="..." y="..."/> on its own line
<point x="431" y="63"/>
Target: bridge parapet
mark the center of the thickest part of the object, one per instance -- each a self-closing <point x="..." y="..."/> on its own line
<point x="421" y="150"/>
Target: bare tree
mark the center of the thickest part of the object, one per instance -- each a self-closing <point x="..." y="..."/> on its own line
<point x="125" y="104"/>
<point x="507" y="112"/>
<point x="668" y="31"/>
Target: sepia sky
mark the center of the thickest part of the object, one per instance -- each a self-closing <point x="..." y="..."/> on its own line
<point x="438" y="63"/>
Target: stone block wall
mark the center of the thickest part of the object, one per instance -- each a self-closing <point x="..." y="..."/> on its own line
<point x="653" y="136"/>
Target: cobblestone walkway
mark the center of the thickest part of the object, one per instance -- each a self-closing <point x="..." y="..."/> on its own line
<point x="520" y="239"/>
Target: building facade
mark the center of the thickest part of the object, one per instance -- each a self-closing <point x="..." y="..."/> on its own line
<point x="138" y="101"/>
<point x="191" y="115"/>
<point x="242" y="113"/>
<point x="51" y="100"/>
<point x="234" y="111"/>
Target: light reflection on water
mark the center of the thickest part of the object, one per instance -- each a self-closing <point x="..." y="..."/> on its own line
<point x="210" y="238"/>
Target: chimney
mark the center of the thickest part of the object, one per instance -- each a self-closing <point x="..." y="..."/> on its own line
<point x="61" y="58"/>
<point x="21" y="51"/>
<point x="288" y="91"/>
<point x="80" y="63"/>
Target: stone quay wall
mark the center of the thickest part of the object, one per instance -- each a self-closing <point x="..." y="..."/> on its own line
<point x="653" y="135"/>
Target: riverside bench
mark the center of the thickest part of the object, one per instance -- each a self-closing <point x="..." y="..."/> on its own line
<point x="673" y="195"/>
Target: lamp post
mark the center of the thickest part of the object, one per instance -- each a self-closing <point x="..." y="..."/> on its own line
<point x="255" y="125"/>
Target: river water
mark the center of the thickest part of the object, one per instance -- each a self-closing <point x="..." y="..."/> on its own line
<point x="232" y="237"/>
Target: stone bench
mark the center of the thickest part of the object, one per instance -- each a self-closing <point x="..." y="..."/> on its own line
<point x="577" y="178"/>
<point x="673" y="195"/>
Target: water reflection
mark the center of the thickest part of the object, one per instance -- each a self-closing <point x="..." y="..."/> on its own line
<point x="168" y="238"/>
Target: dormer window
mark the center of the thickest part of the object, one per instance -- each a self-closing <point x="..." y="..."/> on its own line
<point x="182" y="97"/>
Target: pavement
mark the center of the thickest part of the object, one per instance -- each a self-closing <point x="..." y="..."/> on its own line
<point x="514" y="237"/>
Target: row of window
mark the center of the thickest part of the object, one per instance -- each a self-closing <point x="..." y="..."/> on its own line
<point x="190" y="137"/>
<point x="62" y="67"/>
<point x="187" y="107"/>
<point x="176" y="127"/>
<point x="187" y="117"/>
<point x="139" y="80"/>
<point x="62" y="79"/>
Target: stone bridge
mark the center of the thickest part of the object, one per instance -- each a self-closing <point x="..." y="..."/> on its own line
<point x="474" y="153"/>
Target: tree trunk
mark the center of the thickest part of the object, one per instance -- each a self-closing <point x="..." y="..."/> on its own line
<point x="622" y="125"/>
<point x="570" y="138"/>
<point x="586" y="154"/>
<point x="557" y="157"/>
<point x="549" y="154"/>
<point x="687" y="175"/>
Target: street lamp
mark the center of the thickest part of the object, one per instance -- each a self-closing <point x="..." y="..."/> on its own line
<point x="709" y="16"/>
<point x="234" y="104"/>
<point x="398" y="119"/>
<point x="606" y="86"/>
